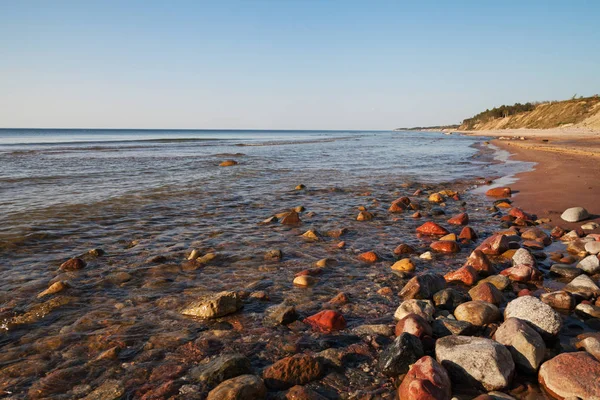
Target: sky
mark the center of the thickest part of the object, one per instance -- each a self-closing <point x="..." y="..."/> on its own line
<point x="288" y="64"/>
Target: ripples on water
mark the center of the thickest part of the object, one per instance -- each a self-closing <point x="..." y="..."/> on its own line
<point x="139" y="195"/>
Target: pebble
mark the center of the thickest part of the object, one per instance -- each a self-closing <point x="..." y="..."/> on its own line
<point x="426" y="256"/>
<point x="584" y="286"/>
<point x="566" y="271"/>
<point x="423" y="286"/>
<point x="574" y="214"/>
<point x="54" y="288"/>
<point x="404" y="265"/>
<point x="214" y="306"/>
<point x="305" y="281"/>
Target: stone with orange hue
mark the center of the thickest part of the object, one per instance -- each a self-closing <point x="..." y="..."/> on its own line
<point x="433" y="229"/>
<point x="445" y="246"/>
<point x="368" y="257"/>
<point x="504" y="205"/>
<point x="518" y="213"/>
<point x="326" y="321"/>
<point x="303" y="393"/>
<point x="499" y="192"/>
<point x="522" y="273"/>
<point x="403" y="249"/>
<point x="228" y="163"/>
<point x="364" y="216"/>
<point x="436" y="198"/>
<point x="415" y="325"/>
<point x="451" y="236"/>
<point x="311" y="272"/>
<point x="480" y="262"/>
<point x="340" y="299"/>
<point x="466" y="274"/>
<point x="399" y="205"/>
<point x="494" y="245"/>
<point x="386" y="291"/>
<point x="404" y="265"/>
<point x="460" y="219"/>
<point x="417" y="215"/>
<point x="571" y="375"/>
<point x="73" y="264"/>
<point x="341" y="245"/>
<point x="423" y="286"/>
<point x="467" y="233"/>
<point x="426" y="380"/>
<point x="290" y="218"/>
<point x="291" y="371"/>
<point x="486" y="292"/>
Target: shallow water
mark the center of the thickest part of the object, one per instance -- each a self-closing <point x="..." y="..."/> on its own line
<point x="148" y="198"/>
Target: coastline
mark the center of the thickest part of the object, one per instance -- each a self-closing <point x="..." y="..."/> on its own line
<point x="565" y="174"/>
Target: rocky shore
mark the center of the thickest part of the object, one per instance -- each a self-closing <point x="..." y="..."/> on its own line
<point x="434" y="293"/>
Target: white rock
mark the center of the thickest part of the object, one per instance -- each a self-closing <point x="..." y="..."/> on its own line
<point x="592" y="247"/>
<point x="426" y="256"/>
<point x="575" y="214"/>
<point x="584" y="286"/>
<point x="590" y="226"/>
<point x="540" y="315"/>
<point x="424" y="308"/>
<point x="214" y="306"/>
<point x="523" y="256"/>
<point x="525" y="344"/>
<point x="590" y="265"/>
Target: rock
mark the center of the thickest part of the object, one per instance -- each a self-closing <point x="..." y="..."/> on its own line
<point x="413" y="324"/>
<point x="524" y="343"/>
<point x="243" y="387"/>
<point x="445" y="246"/>
<point x="536" y="234"/>
<point x="228" y="163"/>
<point x="326" y="262"/>
<point x="450" y="237"/>
<point x="326" y="321"/>
<point x="445" y="326"/>
<point x="426" y="256"/>
<point x="467" y="233"/>
<point x="590" y="265"/>
<point x="466" y="274"/>
<point x="449" y="299"/>
<point x="436" y="198"/>
<point x="478" y="362"/>
<point x="290" y="371"/>
<point x="460" y="219"/>
<point x="478" y="313"/>
<point x="38" y="311"/>
<point x="368" y="257"/>
<point x="588" y="310"/>
<point x="486" y="292"/>
<point x="566" y="271"/>
<point x="403" y="249"/>
<point x="214" y="306"/>
<point x="575" y="214"/>
<point x="300" y="187"/>
<point x="592" y="247"/>
<point x="590" y="343"/>
<point x="590" y="226"/>
<point x="583" y="286"/>
<point x="432" y="229"/>
<point x="396" y="358"/>
<point x="522" y="273"/>
<point x="559" y="299"/>
<point x="404" y="265"/>
<point x="523" y="257"/>
<point x="111" y="389"/>
<point x="423" y="286"/>
<point x="339" y="299"/>
<point x="303" y="393"/>
<point x="193" y="255"/>
<point x="426" y="380"/>
<point x="275" y="255"/>
<point x="519" y="214"/>
<point x="571" y="376"/>
<point x="380" y="329"/>
<point x="540" y="315"/>
<point x="423" y="308"/>
<point x="305" y="281"/>
<point x="399" y="205"/>
<point x="73" y="264"/>
<point x="364" y="216"/>
<point x="208" y="257"/>
<point x="480" y="262"/>
<point x="499" y="192"/>
<point x="501" y="282"/>
<point x="54" y="288"/>
<point x="311" y="234"/>
<point x="290" y="218"/>
<point x="220" y="369"/>
<point x="281" y="314"/>
<point x="494" y="245"/>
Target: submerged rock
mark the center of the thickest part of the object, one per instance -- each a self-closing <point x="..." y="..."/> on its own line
<point x="290" y="371"/>
<point x="214" y="306"/>
<point x="433" y="229"/>
<point x="239" y="388"/>
<point x="73" y="264"/>
<point x="228" y="163"/>
<point x="221" y="368"/>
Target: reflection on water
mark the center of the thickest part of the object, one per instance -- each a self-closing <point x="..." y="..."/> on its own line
<point x="147" y="202"/>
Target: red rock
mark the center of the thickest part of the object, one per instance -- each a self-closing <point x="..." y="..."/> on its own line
<point x="291" y="371"/>
<point x="522" y="273"/>
<point x="507" y="218"/>
<point x="291" y="218"/>
<point x="494" y="245"/>
<point x="340" y="299"/>
<point x="479" y="261"/>
<point x="431" y="228"/>
<point x="403" y="249"/>
<point x="499" y="192"/>
<point x="466" y="274"/>
<point x="557" y="232"/>
<point x="460" y="219"/>
<point x="456" y="197"/>
<point x="228" y="163"/>
<point x="302" y="393"/>
<point x="445" y="246"/>
<point x="368" y="257"/>
<point x="341" y="245"/>
<point x="413" y="324"/>
<point x="73" y="264"/>
<point x="467" y="233"/>
<point x="518" y="213"/>
<point x="486" y="292"/>
<point x="532" y="244"/>
<point x="524" y="292"/>
<point x="571" y="375"/>
<point x="426" y="380"/>
<point x="326" y="321"/>
<point x="310" y="272"/>
<point x="385" y="291"/>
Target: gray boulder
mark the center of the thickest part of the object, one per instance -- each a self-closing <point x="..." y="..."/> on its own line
<point x="539" y="314"/>
<point x="525" y="345"/>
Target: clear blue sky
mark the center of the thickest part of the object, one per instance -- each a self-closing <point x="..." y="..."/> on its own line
<point x="288" y="64"/>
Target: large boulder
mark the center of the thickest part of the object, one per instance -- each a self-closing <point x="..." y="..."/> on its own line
<point x="571" y="376"/>
<point x="540" y="315"/>
<point x="404" y="351"/>
<point x="575" y="214"/>
<point x="524" y="343"/>
<point x="477" y="312"/>
<point x="423" y="308"/>
<point x="243" y="387"/>
<point x="214" y="306"/>
<point x="423" y="286"/>
<point x="426" y="380"/>
<point x="477" y="362"/>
